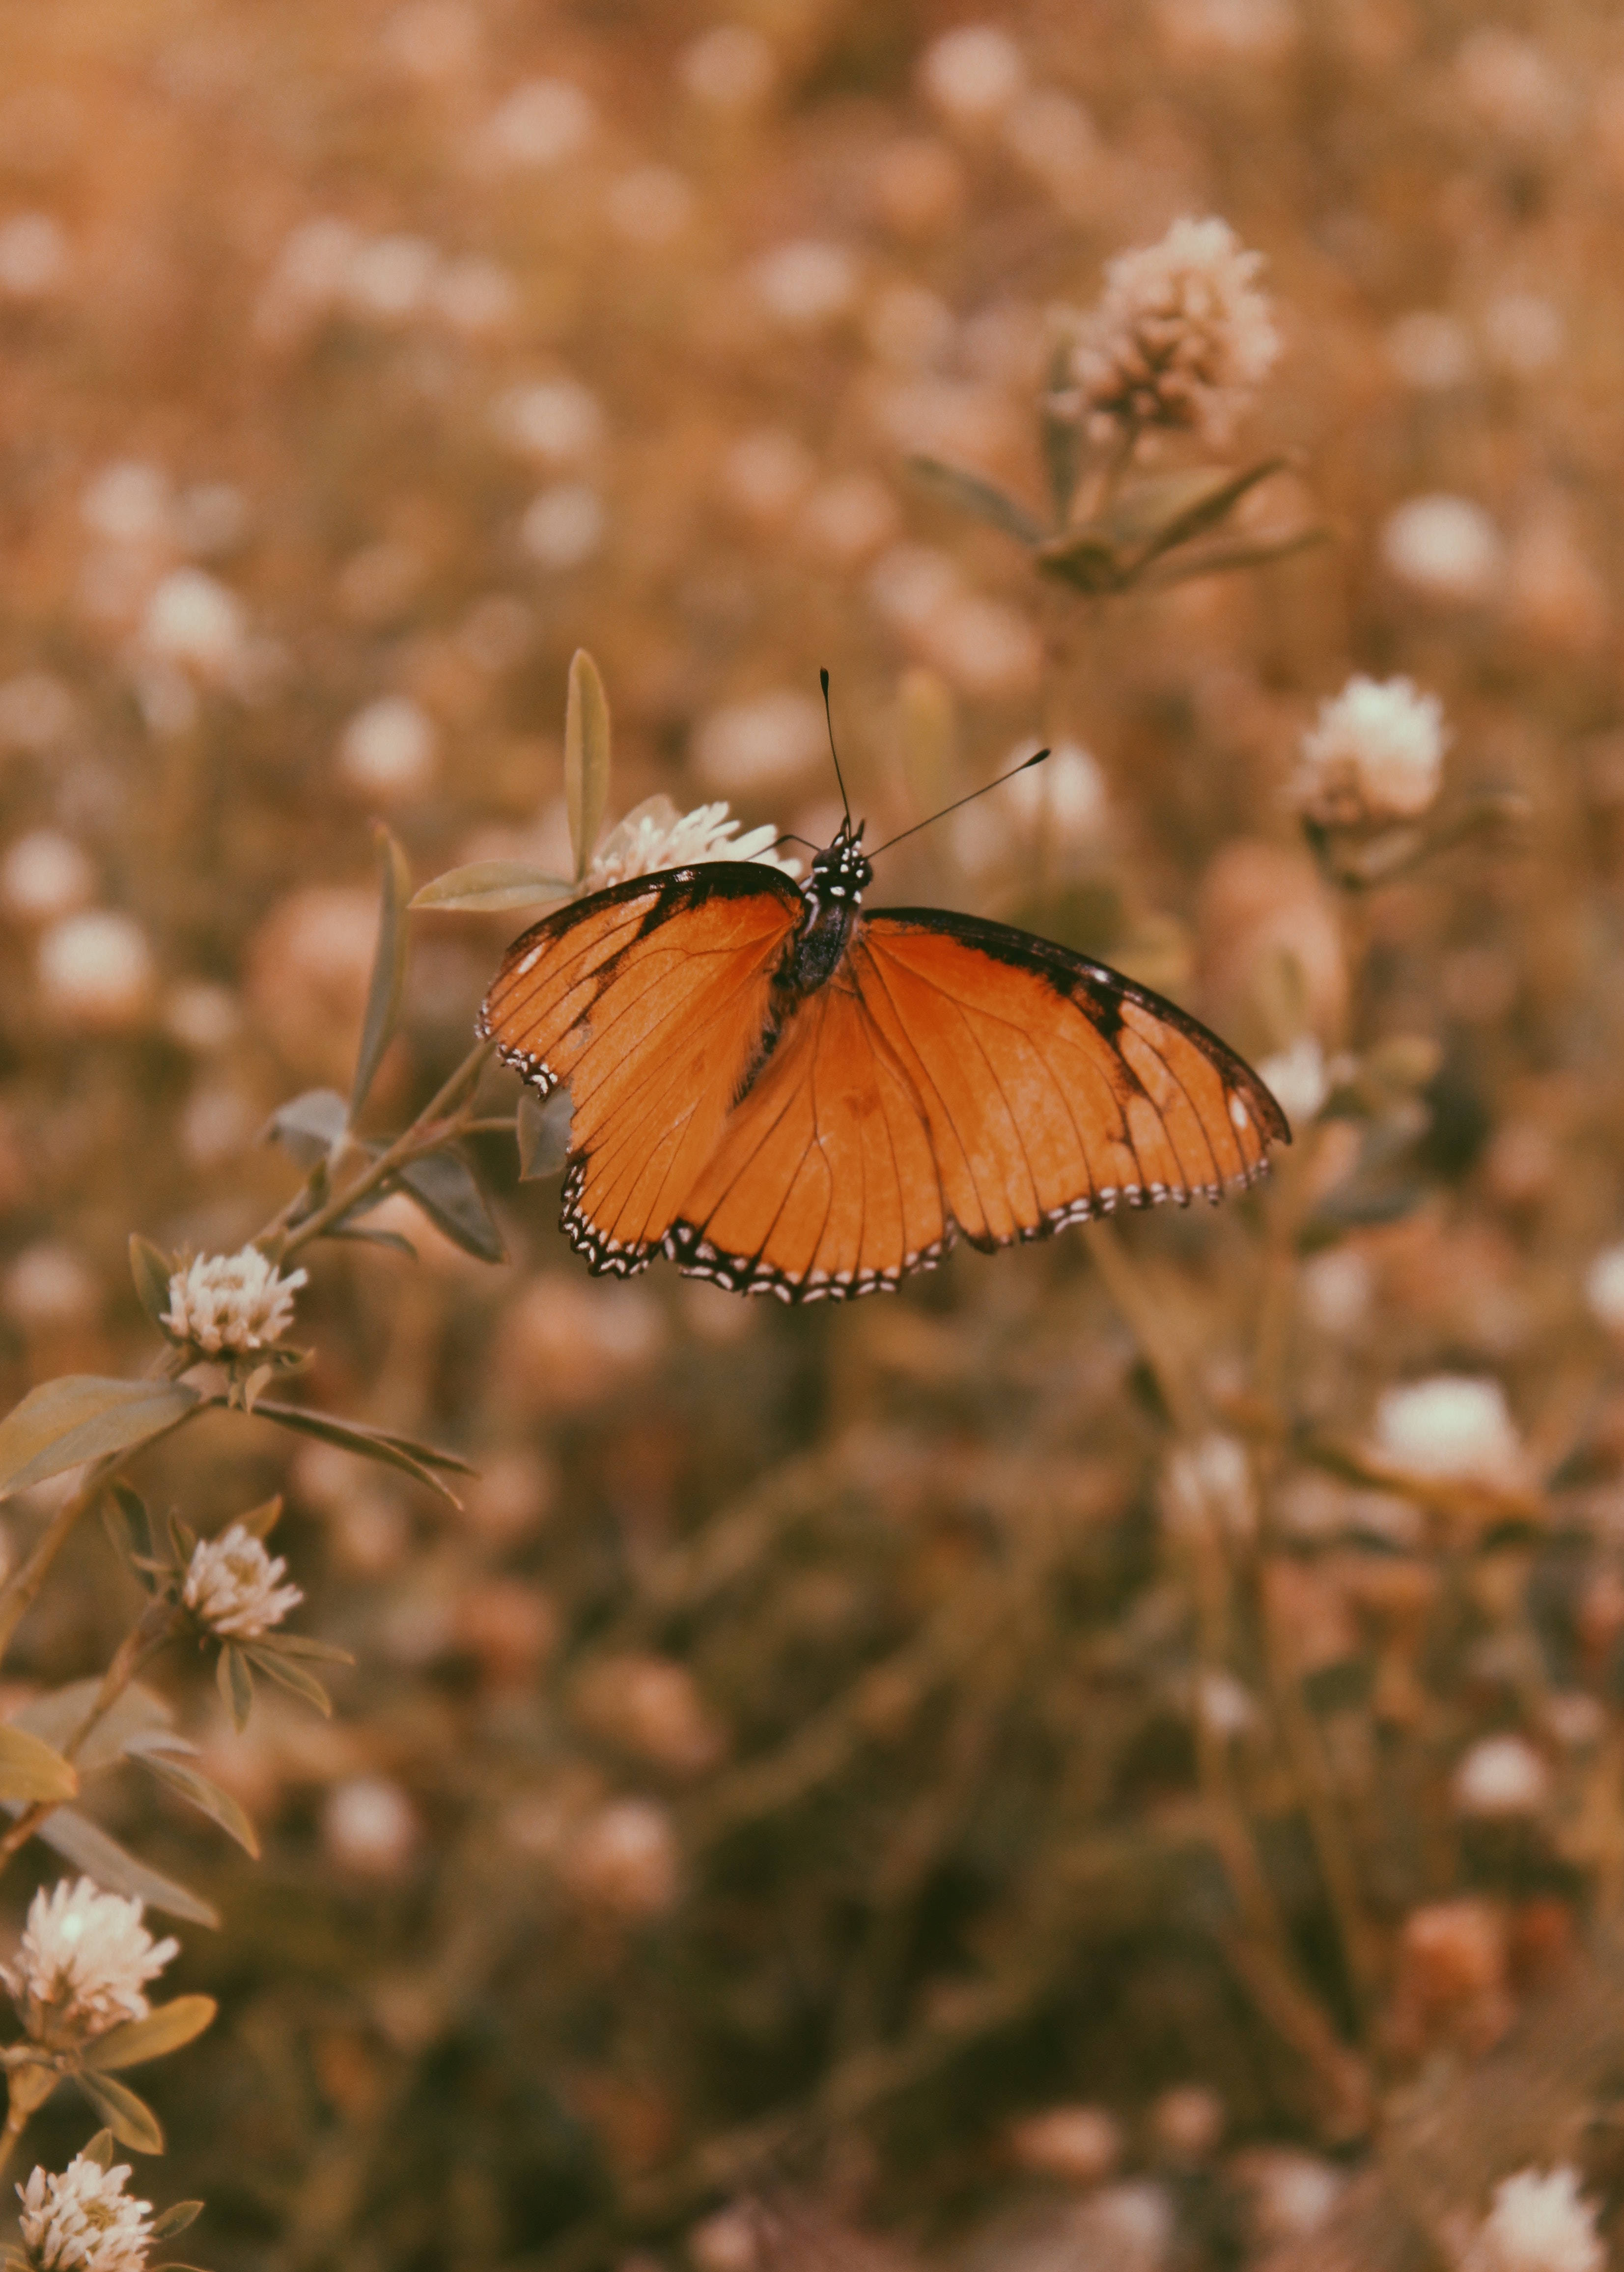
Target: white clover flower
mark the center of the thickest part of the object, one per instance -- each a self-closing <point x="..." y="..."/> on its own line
<point x="1375" y="753"/>
<point x="233" y="1586"/>
<point x="1450" y="1425"/>
<point x="83" y="1962"/>
<point x="231" y="1301"/>
<point x="83" y="2220"/>
<point x="1500" y="1778"/>
<point x="655" y="835"/>
<point x="1538" y="2225"/>
<point x="1180" y="335"/>
<point x="1298" y="1079"/>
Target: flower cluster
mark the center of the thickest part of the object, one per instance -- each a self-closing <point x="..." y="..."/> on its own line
<point x="1538" y="2225"/>
<point x="1375" y="753"/>
<point x="655" y="835"/>
<point x="231" y="1304"/>
<point x="233" y="1586"/>
<point x="83" y="1962"/>
<point x="83" y="2220"/>
<point x="1180" y="336"/>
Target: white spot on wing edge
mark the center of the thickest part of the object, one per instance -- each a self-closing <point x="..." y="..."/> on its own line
<point x="1238" y="1113"/>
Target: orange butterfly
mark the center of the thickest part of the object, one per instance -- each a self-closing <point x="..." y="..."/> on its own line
<point x="789" y="1096"/>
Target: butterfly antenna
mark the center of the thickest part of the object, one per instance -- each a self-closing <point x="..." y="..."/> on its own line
<point x="1025" y="765"/>
<point x="823" y="681"/>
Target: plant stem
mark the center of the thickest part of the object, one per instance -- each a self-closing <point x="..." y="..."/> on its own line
<point x="425" y="1134"/>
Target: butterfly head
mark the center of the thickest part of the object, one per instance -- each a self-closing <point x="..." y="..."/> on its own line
<point x="842" y="872"/>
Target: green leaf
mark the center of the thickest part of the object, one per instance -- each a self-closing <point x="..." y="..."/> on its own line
<point x="56" y="1717"/>
<point x="260" y="1521"/>
<point x="972" y="495"/>
<point x="443" y="1185"/>
<point x="351" y="1230"/>
<point x="585" y="758"/>
<point x="175" y="2220"/>
<point x="236" y="1684"/>
<point x="151" y="1270"/>
<point x="162" y="2032"/>
<point x="488" y="886"/>
<point x="1085" y="556"/>
<point x="543" y="1132"/>
<point x="82" y="1417"/>
<point x="309" y="1127"/>
<point x="125" y="1518"/>
<point x="413" y="1459"/>
<point x="117" y="1870"/>
<point x="314" y="1651"/>
<point x="129" y="2118"/>
<point x="1167" y="509"/>
<point x="1062" y="438"/>
<point x="206" y="1797"/>
<point x="31" y="1770"/>
<point x="388" y="967"/>
<point x="100" y="2150"/>
<point x="292" y="1675"/>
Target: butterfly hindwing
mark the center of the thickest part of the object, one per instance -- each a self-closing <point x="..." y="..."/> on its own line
<point x="651" y="999"/>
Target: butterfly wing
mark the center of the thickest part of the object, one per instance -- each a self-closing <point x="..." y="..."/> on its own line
<point x="959" y="1076"/>
<point x="652" y="1001"/>
<point x="1054" y="1088"/>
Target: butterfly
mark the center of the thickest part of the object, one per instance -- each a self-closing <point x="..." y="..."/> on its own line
<point x="786" y="1095"/>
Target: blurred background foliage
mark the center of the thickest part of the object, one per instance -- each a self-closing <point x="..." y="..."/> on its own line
<point x="988" y="1768"/>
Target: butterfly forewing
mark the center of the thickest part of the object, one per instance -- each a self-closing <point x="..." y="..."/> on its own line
<point x="651" y="1000"/>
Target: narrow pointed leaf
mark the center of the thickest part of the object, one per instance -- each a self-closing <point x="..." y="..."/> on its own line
<point x="300" y="1645"/>
<point x="488" y="886"/>
<point x="117" y="1870"/>
<point x="443" y="1185"/>
<point x="1062" y="438"/>
<point x="350" y="1229"/>
<point x="100" y="2150"/>
<point x="129" y="2118"/>
<point x="1168" y="509"/>
<point x="368" y="1443"/>
<point x="82" y="1417"/>
<point x="309" y="1127"/>
<point x="176" y="2219"/>
<point x="125" y="1518"/>
<point x="162" y="2032"/>
<point x="1084" y="557"/>
<point x="236" y="1684"/>
<point x="292" y="1675"/>
<point x="206" y="1797"/>
<point x="585" y="758"/>
<point x="972" y="495"/>
<point x="544" y="1132"/>
<point x="1225" y="559"/>
<point x="388" y="969"/>
<point x="31" y="1770"/>
<point x="151" y="1269"/>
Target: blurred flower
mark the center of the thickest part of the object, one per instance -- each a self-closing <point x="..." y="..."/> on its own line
<point x="433" y="40"/>
<point x="368" y="1825"/>
<point x="36" y="710"/>
<point x="193" y="619"/>
<point x="231" y="1301"/>
<point x="1290" y="2193"/>
<point x="388" y="750"/>
<point x="1337" y="1289"/>
<point x="731" y="67"/>
<point x="624" y="1859"/>
<point x="557" y="420"/>
<point x="651" y="1705"/>
<point x="234" y="1585"/>
<point x="1449" y="1426"/>
<point x="95" y="971"/>
<point x="1197" y="31"/>
<point x="730" y="2239"/>
<point x="202" y="1016"/>
<point x="1452" y="1973"/>
<point x="474" y="295"/>
<point x="1374" y="753"/>
<point x="83" y="1963"/>
<point x="1604" y="1288"/>
<point x="806" y="283"/>
<point x="1501" y="1777"/>
<point x="1209" y="1481"/>
<point x="753" y="747"/>
<point x="540" y="124"/>
<point x="1523" y="333"/>
<point x="1081" y="2145"/>
<point x="764" y="473"/>
<point x="1539" y="2223"/>
<point x="1129" y="2227"/>
<point x="1225" y="1705"/>
<point x="655" y="835"/>
<point x="509" y="1625"/>
<point x="1187" y="2121"/>
<point x="128" y="503"/>
<point x="35" y="258"/>
<point x="1431" y="351"/>
<point x="1445" y="548"/>
<point x="83" y="2220"/>
<point x="48" y="1285"/>
<point x="1298" y="1079"/>
<point x="1180" y="336"/>
<point x="973" y="73"/>
<point x="848" y="518"/>
<point x="308" y="967"/>
<point x="45" y="875"/>
<point x="563" y="526"/>
<point x="388" y="279"/>
<point x="1511" y="85"/>
<point x="917" y="185"/>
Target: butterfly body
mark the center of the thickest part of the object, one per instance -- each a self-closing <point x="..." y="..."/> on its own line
<point x="785" y="1096"/>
